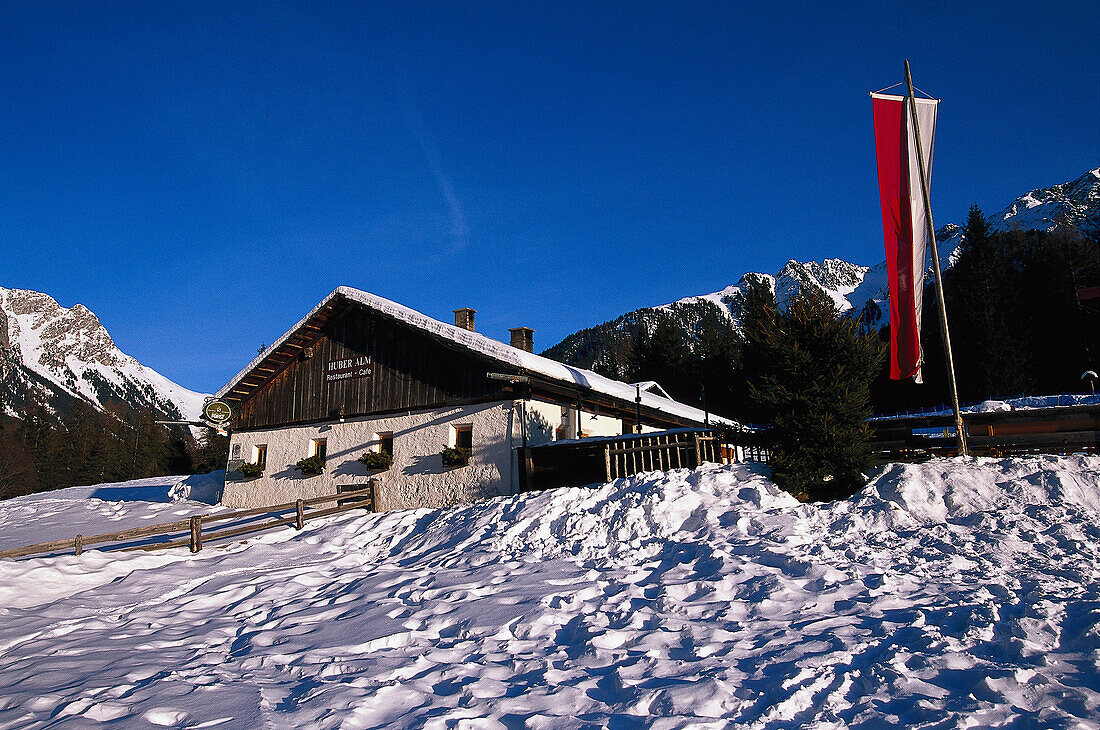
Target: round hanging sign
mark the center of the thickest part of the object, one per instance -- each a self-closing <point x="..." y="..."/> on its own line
<point x="217" y="411"/>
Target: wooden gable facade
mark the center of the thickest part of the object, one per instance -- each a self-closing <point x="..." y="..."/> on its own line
<point x="350" y="360"/>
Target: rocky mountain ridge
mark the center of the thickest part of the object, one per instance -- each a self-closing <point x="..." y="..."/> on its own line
<point x="864" y="289"/>
<point x="52" y="355"/>
<point x="1075" y="203"/>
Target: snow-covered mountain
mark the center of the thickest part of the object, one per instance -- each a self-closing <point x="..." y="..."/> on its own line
<point x="603" y="347"/>
<point x="1074" y="204"/>
<point x="51" y="354"/>
<point x="835" y="278"/>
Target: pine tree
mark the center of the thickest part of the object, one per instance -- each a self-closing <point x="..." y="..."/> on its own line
<point x="976" y="231"/>
<point x="40" y="432"/>
<point x="665" y="355"/>
<point x="17" y="475"/>
<point x="989" y="327"/>
<point x="212" y="453"/>
<point x="810" y="377"/>
<point x="1065" y="332"/>
<point x="176" y="457"/>
<point x="718" y="355"/>
<point x="756" y="308"/>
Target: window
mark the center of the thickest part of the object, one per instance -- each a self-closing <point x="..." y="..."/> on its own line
<point x="259" y="454"/>
<point x="319" y="447"/>
<point x="462" y="442"/>
<point x="385" y="442"/>
<point x="463" y="437"/>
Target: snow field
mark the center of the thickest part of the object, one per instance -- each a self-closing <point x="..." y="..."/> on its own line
<point x="952" y="593"/>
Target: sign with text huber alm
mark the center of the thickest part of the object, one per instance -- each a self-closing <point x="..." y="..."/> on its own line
<point x="217" y="412"/>
<point x="348" y="368"/>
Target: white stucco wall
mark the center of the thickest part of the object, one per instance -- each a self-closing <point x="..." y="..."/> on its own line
<point x="595" y="425"/>
<point x="417" y="477"/>
<point x="544" y="418"/>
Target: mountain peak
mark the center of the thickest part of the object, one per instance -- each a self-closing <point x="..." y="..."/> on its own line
<point x="1073" y="204"/>
<point x="946" y="231"/>
<point x="52" y="353"/>
<point x="834" y="277"/>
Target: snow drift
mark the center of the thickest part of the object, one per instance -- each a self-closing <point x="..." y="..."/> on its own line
<point x="956" y="591"/>
<point x="206" y="488"/>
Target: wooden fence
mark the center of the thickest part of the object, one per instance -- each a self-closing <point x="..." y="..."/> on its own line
<point x="660" y="452"/>
<point x="193" y="528"/>
<point x="750" y="446"/>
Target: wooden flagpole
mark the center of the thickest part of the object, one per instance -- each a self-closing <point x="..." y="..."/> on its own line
<point x="960" y="427"/>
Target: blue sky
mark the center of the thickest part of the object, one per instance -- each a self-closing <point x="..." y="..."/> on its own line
<point x="201" y="174"/>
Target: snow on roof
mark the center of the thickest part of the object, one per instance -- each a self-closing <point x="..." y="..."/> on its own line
<point x="651" y="386"/>
<point x="489" y="347"/>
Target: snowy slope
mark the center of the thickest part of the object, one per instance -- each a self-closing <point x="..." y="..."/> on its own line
<point x="952" y="593"/>
<point x="1075" y="203"/>
<point x="100" y="508"/>
<point x="48" y="351"/>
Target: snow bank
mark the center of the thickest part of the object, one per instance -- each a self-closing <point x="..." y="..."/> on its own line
<point x="206" y="488"/>
<point x="1052" y="401"/>
<point x="1023" y="403"/>
<point x="960" y="591"/>
<point x="944" y="489"/>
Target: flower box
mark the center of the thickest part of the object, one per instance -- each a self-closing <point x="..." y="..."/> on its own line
<point x="455" y="456"/>
<point x="377" y="460"/>
<point x="251" y="471"/>
<point x="311" y="467"/>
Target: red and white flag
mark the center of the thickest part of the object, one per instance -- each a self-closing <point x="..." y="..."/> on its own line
<point x="904" y="223"/>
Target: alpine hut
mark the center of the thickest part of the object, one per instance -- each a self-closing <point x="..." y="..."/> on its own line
<point x="443" y="408"/>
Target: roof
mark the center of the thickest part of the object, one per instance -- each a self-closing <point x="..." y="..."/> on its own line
<point x="479" y="343"/>
<point x="651" y="386"/>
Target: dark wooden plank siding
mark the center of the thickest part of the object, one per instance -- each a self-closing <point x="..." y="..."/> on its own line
<point x="410" y="370"/>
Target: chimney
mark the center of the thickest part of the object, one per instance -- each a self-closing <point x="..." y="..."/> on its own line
<point x="523" y="338"/>
<point x="464" y="318"/>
